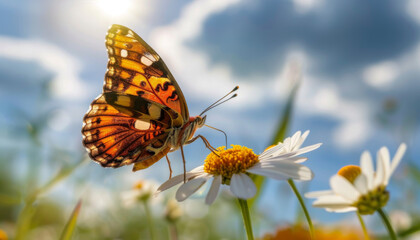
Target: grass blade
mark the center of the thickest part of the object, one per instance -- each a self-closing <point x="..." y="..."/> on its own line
<point x="61" y="175"/>
<point x="26" y="214"/>
<point x="71" y="223"/>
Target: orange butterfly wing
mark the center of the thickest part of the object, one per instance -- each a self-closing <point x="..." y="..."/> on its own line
<point x="131" y="121"/>
<point x="135" y="68"/>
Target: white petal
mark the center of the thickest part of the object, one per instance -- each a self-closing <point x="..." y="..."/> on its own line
<point x="302" y="139"/>
<point x="242" y="186"/>
<point x="277" y="155"/>
<point x="366" y="165"/>
<point x="387" y="165"/>
<point x="308" y="149"/>
<point x="271" y="151"/>
<point x="317" y="194"/>
<point x="282" y="158"/>
<point x="287" y="143"/>
<point x="332" y="201"/>
<point x="282" y="154"/>
<point x="269" y="173"/>
<point x="341" y="209"/>
<point x="282" y="170"/>
<point x="198" y="169"/>
<point x="398" y="156"/>
<point x="298" y="159"/>
<point x="382" y="163"/>
<point x="361" y="184"/>
<point x="294" y="140"/>
<point x="214" y="189"/>
<point x="343" y="187"/>
<point x="190" y="187"/>
<point x="177" y="180"/>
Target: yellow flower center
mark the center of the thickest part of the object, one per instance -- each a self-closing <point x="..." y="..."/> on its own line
<point x="350" y="172"/>
<point x="138" y="185"/>
<point x="231" y="161"/>
<point x="371" y="201"/>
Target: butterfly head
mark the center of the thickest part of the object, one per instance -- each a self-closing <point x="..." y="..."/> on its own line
<point x="201" y="121"/>
<point x="198" y="121"/>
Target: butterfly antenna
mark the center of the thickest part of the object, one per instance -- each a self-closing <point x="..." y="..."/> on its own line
<point x="217" y="103"/>
<point x="234" y="95"/>
<point x="219" y="131"/>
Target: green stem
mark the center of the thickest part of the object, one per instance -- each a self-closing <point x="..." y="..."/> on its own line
<point x="149" y="220"/>
<point x="362" y="223"/>
<point x="247" y="219"/>
<point x="173" y="233"/>
<point x="24" y="221"/>
<point x="385" y="219"/>
<point x="302" y="204"/>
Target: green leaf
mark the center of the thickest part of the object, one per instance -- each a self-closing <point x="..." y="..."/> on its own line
<point x="71" y="223"/>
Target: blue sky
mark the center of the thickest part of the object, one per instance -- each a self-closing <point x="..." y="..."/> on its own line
<point x="355" y="60"/>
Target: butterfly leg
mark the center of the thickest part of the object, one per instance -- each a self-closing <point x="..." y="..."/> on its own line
<point x="206" y="143"/>
<point x="183" y="161"/>
<point x="169" y="165"/>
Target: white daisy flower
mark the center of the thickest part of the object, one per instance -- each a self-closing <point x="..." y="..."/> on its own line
<point x="142" y="191"/>
<point x="233" y="166"/>
<point x="360" y="188"/>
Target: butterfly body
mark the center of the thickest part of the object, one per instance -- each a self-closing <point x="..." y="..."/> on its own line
<point x="181" y="136"/>
<point x="142" y="114"/>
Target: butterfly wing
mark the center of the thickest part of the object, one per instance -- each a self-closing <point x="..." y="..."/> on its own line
<point x="135" y="68"/>
<point x="115" y="138"/>
<point x="132" y="120"/>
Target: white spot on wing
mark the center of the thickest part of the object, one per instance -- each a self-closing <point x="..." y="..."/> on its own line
<point x="146" y="61"/>
<point x="124" y="53"/>
<point x="142" y="124"/>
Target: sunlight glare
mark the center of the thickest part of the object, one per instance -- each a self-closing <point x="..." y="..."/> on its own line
<point x="114" y="8"/>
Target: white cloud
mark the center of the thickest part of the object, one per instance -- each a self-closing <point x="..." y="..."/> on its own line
<point x="384" y="75"/>
<point x="352" y="134"/>
<point x="198" y="76"/>
<point x="413" y="9"/>
<point x="66" y="68"/>
<point x="303" y="6"/>
<point x="203" y="79"/>
<point x="381" y="75"/>
<point x="324" y="98"/>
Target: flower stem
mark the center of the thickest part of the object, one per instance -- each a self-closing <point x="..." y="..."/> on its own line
<point x="247" y="219"/>
<point x="149" y="220"/>
<point x="385" y="219"/>
<point x="173" y="233"/>
<point x="362" y="223"/>
<point x="302" y="204"/>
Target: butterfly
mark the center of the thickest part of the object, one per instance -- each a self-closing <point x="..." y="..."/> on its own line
<point x="142" y="114"/>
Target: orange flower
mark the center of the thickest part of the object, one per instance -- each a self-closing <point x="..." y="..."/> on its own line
<point x="301" y="233"/>
<point x="3" y="235"/>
